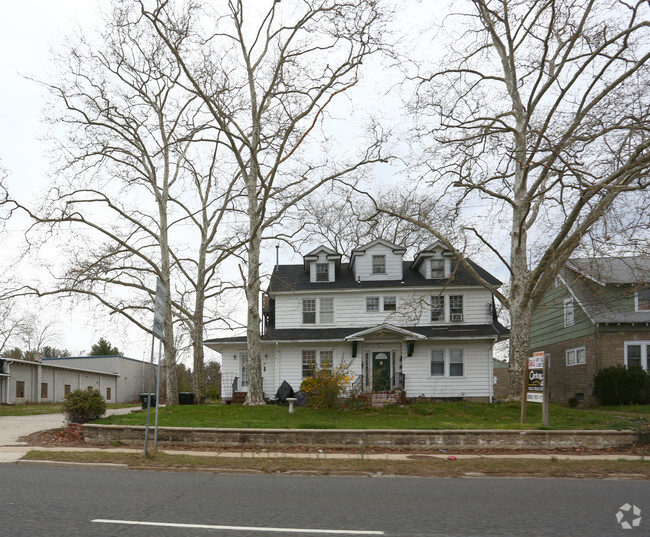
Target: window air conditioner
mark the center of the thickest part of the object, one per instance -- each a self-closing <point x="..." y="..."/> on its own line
<point x="456" y="317"/>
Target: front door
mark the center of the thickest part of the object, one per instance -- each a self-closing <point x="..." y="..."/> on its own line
<point x="380" y="371"/>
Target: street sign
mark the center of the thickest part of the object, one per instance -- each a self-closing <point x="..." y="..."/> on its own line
<point x="159" y="309"/>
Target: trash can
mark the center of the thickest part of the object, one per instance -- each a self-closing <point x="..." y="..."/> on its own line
<point x="186" y="398"/>
<point x="143" y="400"/>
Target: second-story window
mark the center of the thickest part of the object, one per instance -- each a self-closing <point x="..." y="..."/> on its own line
<point x="372" y="303"/>
<point x="455" y="308"/>
<point x="390" y="303"/>
<point x="326" y="311"/>
<point x="308" y="311"/>
<point x="437" y="268"/>
<point x="438" y="308"/>
<point x="322" y="272"/>
<point x="378" y="264"/>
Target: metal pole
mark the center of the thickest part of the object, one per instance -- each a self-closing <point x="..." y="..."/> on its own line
<point x="155" y="433"/>
<point x="545" y="392"/>
<point x="146" y="427"/>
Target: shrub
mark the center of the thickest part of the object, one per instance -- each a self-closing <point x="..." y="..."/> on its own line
<point x="325" y="386"/>
<point x="80" y="406"/>
<point x="621" y="386"/>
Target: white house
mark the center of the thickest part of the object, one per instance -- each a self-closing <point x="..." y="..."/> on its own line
<point x="425" y="326"/>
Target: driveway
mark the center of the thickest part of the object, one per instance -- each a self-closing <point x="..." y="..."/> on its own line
<point x="13" y="427"/>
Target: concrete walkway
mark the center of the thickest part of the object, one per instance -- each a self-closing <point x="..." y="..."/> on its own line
<point x="14" y="427"/>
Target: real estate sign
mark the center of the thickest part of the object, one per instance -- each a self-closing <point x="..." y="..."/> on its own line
<point x="535" y="381"/>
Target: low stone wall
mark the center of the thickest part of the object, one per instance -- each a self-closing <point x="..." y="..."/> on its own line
<point x="417" y="440"/>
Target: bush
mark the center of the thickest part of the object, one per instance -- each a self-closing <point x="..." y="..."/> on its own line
<point x="325" y="386"/>
<point x="80" y="406"/>
<point x="621" y="386"/>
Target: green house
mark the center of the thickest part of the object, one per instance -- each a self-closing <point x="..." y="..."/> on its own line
<point x="596" y="315"/>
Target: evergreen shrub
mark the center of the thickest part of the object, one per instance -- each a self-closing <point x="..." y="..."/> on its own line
<point x="81" y="406"/>
<point x="619" y="385"/>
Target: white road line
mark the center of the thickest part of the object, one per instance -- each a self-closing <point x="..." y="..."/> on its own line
<point x="238" y="528"/>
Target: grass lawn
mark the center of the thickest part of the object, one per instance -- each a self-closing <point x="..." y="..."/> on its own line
<point x="44" y="408"/>
<point x="453" y="415"/>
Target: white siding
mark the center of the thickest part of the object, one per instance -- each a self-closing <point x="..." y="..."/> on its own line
<point x="476" y="381"/>
<point x="413" y="307"/>
<point x="322" y="258"/>
<point x="363" y="264"/>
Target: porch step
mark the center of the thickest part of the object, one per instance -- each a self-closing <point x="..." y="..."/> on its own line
<point x="239" y="398"/>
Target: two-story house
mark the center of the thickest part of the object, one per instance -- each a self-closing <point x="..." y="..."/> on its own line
<point x="597" y="315"/>
<point x="424" y="326"/>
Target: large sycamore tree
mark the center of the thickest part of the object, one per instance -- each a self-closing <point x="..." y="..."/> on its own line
<point x="267" y="73"/>
<point x="537" y="124"/>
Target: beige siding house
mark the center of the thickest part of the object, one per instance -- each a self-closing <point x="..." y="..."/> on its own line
<point x="423" y="327"/>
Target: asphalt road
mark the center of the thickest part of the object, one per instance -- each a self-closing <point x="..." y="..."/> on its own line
<point x="53" y="501"/>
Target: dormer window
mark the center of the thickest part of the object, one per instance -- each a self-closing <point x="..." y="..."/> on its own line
<point x="643" y="299"/>
<point x="322" y="272"/>
<point x="379" y="264"/>
<point x="437" y="268"/>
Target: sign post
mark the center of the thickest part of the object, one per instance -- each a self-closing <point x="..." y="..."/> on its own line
<point x="157" y="332"/>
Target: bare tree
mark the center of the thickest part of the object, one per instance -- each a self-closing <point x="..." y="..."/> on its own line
<point x="266" y="74"/>
<point x="537" y="121"/>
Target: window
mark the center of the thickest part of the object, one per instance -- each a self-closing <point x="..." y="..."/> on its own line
<point x="437" y="268"/>
<point x="455" y="308"/>
<point x="378" y="264"/>
<point x="20" y="389"/>
<point x="642" y="299"/>
<point x="43" y="390"/>
<point x="447" y="362"/>
<point x="326" y="360"/>
<point x="308" y="311"/>
<point x="90" y="388"/>
<point x="322" y="272"/>
<point x="308" y="363"/>
<point x="568" y="312"/>
<point x="390" y="303"/>
<point x="637" y="354"/>
<point x="372" y="303"/>
<point x="437" y="363"/>
<point x="66" y="389"/>
<point x="243" y="359"/>
<point x="456" y="363"/>
<point x="326" y="310"/>
<point x="576" y="356"/>
<point x="438" y="308"/>
<point x="108" y="394"/>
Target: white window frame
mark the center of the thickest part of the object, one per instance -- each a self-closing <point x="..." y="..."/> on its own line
<point x="303" y="362"/>
<point x="317" y="360"/>
<point x="326" y="272"/>
<point x="378" y="299"/>
<point x="440" y="307"/>
<point x="379" y="264"/>
<point x="575" y="360"/>
<point x="383" y="302"/>
<point x="645" y="290"/>
<point x="645" y="352"/>
<point x="314" y="311"/>
<point x="322" y="312"/>
<point x="569" y="313"/>
<point x="447" y="361"/>
<point x="438" y="269"/>
<point x="462" y="308"/>
<point x="318" y="310"/>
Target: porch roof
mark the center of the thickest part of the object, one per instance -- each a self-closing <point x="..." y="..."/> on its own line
<point x="475" y="331"/>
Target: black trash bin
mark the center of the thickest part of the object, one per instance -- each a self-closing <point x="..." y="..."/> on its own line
<point x="186" y="398"/>
<point x="143" y="400"/>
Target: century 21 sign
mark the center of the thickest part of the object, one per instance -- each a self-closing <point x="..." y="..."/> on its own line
<point x="535" y="381"/>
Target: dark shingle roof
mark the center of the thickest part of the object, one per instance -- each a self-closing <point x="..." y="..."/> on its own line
<point x="295" y="278"/>
<point x="338" y="334"/>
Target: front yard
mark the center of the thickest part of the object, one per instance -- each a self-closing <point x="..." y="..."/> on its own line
<point x="44" y="408"/>
<point x="453" y="415"/>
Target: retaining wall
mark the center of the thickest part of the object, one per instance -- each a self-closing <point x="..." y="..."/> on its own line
<point x="420" y="440"/>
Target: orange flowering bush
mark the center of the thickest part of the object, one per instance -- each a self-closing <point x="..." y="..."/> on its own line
<point x="325" y="386"/>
